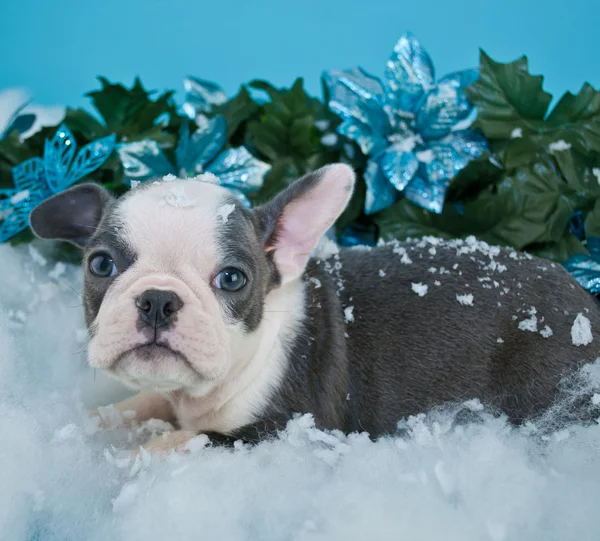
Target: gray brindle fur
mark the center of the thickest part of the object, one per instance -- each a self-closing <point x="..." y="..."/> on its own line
<point x="367" y="350"/>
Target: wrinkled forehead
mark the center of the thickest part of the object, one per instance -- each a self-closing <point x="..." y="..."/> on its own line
<point x="177" y="222"/>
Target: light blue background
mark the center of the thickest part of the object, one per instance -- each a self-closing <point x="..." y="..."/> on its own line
<point x="56" y="48"/>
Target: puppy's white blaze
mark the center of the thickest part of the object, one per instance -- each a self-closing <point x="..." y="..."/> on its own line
<point x="260" y="363"/>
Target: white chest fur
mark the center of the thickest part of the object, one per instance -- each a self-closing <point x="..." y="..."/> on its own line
<point x="259" y="365"/>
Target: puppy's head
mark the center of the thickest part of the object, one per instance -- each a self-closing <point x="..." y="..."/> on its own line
<point x="177" y="272"/>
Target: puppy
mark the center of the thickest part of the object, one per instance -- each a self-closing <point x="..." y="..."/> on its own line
<point x="227" y="326"/>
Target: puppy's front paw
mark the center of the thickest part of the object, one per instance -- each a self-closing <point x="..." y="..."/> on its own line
<point x="179" y="441"/>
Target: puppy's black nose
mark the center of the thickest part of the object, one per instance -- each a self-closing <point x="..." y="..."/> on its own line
<point x="157" y="307"/>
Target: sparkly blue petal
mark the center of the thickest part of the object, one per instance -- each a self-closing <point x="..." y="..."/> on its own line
<point x="58" y="155"/>
<point x="427" y="195"/>
<point x="408" y="74"/>
<point x="29" y="175"/>
<point x="586" y="268"/>
<point x="358" y="99"/>
<point x="15" y="207"/>
<point x="440" y="162"/>
<point x="237" y="169"/>
<point x="144" y="160"/>
<point x="201" y="96"/>
<point x="198" y="149"/>
<point x="380" y="193"/>
<point x="399" y="166"/>
<point x="89" y="158"/>
<point x="444" y="107"/>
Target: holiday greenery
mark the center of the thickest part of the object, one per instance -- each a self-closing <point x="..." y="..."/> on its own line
<point x="532" y="180"/>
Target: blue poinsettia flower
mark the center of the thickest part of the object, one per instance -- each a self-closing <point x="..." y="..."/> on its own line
<point x="414" y="130"/>
<point x="38" y="179"/>
<point x="196" y="153"/>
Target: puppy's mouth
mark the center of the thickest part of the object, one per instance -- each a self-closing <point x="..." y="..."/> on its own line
<point x="150" y="351"/>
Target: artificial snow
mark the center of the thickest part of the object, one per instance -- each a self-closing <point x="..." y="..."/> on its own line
<point x="381" y="273"/>
<point x="224" y="211"/>
<point x="530" y="324"/>
<point x="581" y="331"/>
<point x="348" y="314"/>
<point x="445" y="475"/>
<point x="559" y="145"/>
<point x="419" y="289"/>
<point x="516" y="133"/>
<point x="465" y="300"/>
<point x="176" y="197"/>
<point x="546" y="332"/>
<point x="316" y="282"/>
<point x="596" y="173"/>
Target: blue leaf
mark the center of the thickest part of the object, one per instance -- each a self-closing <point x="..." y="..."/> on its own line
<point x="15" y="208"/>
<point x="89" y="158"/>
<point x="195" y="151"/>
<point x="58" y="155"/>
<point x="440" y="162"/>
<point x="586" y="268"/>
<point x="380" y="193"/>
<point x="237" y="169"/>
<point x="29" y="175"/>
<point x="358" y="99"/>
<point x="144" y="160"/>
<point x="409" y="73"/>
<point x="442" y="109"/>
<point x="201" y="96"/>
<point x="399" y="166"/>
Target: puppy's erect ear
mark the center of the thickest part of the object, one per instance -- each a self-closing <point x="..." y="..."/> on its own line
<point x="72" y="215"/>
<point x="298" y="217"/>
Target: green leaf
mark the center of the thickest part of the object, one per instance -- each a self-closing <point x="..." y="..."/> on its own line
<point x="566" y="247"/>
<point x="576" y="119"/>
<point x="130" y="113"/>
<point x="592" y="220"/>
<point x="286" y="127"/>
<point x="405" y="220"/>
<point x="237" y="111"/>
<point x="507" y="96"/>
<point x="478" y="174"/>
<point x="277" y="179"/>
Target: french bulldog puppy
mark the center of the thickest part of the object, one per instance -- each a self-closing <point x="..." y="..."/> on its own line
<point x="227" y="326"/>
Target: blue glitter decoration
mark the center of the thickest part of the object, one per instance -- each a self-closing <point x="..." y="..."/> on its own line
<point x="586" y="268"/>
<point x="198" y="152"/>
<point x="414" y="130"/>
<point x="38" y="179"/>
<point x="201" y="96"/>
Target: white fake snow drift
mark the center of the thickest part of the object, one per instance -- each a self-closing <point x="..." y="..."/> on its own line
<point x="483" y="480"/>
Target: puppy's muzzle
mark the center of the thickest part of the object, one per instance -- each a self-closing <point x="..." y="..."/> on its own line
<point x="157" y="308"/>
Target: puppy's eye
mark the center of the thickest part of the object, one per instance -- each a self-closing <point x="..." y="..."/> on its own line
<point x="102" y="266"/>
<point x="230" y="279"/>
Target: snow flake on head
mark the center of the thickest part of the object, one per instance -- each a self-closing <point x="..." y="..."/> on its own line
<point x="176" y="197"/>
